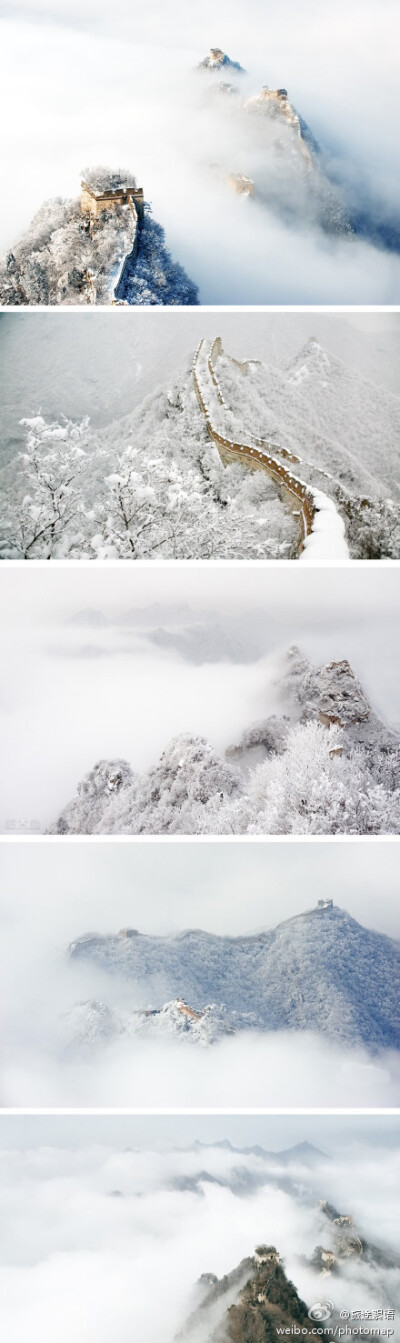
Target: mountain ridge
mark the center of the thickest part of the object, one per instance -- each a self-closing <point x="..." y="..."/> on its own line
<point x="307" y="974"/>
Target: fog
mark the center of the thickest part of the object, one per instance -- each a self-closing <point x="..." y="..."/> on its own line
<point x="85" y="87"/>
<point x="164" y="889"/>
<point x="73" y="695"/>
<point x="77" y="1261"/>
<point x="288" y="1070"/>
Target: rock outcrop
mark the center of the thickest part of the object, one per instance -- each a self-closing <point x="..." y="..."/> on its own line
<point x="218" y="60"/>
<point x="93" y="1024"/>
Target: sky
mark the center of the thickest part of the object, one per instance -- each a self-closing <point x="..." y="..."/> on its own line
<point x="162" y="888"/>
<point x="274" y="1133"/>
<point x="33" y="595"/>
<point x="81" y="85"/>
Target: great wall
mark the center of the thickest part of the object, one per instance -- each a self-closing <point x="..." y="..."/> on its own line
<point x="128" y="198"/>
<point x="322" y="530"/>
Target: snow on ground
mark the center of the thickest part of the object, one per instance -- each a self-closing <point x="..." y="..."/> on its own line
<point x="327" y="540"/>
<point x="333" y="419"/>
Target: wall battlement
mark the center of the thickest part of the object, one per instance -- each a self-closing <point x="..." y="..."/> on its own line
<point x="94" y="202"/>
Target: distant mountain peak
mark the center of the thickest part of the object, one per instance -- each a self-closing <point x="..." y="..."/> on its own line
<point x="218" y="60"/>
<point x="311" y="362"/>
<point x="89" y="616"/>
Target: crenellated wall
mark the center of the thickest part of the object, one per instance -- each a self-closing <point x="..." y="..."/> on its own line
<point x="318" y="516"/>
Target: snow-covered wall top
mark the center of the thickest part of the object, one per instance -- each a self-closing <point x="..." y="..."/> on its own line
<point x="323" y="530"/>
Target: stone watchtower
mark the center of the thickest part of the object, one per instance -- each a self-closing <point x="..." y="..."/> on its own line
<point x="96" y="198"/>
<point x="266" y="1254"/>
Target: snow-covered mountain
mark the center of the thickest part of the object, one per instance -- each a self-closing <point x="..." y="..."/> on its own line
<point x="209" y="642"/>
<point x="336" y="420"/>
<point x="264" y="150"/>
<point x="319" y="971"/>
<point x="185" y="498"/>
<point x="92" y="1023"/>
<point x="118" y="255"/>
<point x="328" y="765"/>
<point x="218" y="60"/>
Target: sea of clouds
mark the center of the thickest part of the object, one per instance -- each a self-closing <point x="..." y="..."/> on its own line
<point x="79" y="1261"/>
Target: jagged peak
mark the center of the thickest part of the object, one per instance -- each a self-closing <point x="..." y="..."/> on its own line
<point x="330" y="693"/>
<point x="217" y="59"/>
<point x="311" y="361"/>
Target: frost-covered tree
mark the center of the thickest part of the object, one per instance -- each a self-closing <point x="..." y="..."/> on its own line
<point x="151" y="276"/>
<point x="186" y="789"/>
<point x="43" y="508"/>
<point x="105" y="781"/>
<point x="152" y="485"/>
<point x="374" y="529"/>
<point x="129" y="512"/>
<point x="314" y="788"/>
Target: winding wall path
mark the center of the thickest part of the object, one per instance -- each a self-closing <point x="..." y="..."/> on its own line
<point x="321" y="526"/>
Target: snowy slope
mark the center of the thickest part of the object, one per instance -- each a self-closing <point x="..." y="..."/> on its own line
<point x="324" y="411"/>
<point x="320" y="971"/>
<point x="215" y="509"/>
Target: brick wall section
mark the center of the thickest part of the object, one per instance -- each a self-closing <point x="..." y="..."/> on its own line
<point x="297" y="493"/>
